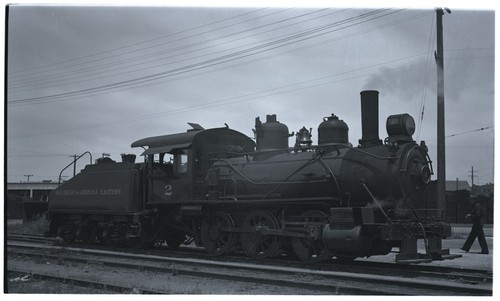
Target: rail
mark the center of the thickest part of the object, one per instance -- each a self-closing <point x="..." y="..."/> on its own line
<point x="74" y="162"/>
<point x="358" y="277"/>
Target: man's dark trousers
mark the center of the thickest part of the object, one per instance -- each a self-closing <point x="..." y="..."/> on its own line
<point x="476" y="231"/>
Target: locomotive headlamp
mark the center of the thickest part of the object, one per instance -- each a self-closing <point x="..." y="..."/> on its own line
<point x="400" y="127"/>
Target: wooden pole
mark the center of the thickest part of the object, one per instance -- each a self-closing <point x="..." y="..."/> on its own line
<point x="441" y="155"/>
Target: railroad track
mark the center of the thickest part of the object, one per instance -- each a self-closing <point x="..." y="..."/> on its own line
<point x="32" y="238"/>
<point x="122" y="289"/>
<point x="325" y="278"/>
<point x="473" y="276"/>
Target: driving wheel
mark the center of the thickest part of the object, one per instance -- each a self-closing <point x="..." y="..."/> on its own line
<point x="254" y="240"/>
<point x="309" y="249"/>
<point x="215" y="233"/>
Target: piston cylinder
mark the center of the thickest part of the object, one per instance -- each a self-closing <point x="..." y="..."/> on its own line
<point x="357" y="242"/>
<point x="346" y="241"/>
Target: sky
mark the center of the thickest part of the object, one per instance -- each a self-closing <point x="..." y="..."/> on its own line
<point x="87" y="78"/>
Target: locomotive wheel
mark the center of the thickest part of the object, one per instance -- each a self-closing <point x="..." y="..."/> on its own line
<point x="68" y="233"/>
<point x="146" y="239"/>
<point x="174" y="238"/>
<point x="87" y="233"/>
<point x="307" y="249"/>
<point x="254" y="243"/>
<point x="214" y="236"/>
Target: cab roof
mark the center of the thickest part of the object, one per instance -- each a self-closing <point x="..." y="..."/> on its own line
<point x="171" y="143"/>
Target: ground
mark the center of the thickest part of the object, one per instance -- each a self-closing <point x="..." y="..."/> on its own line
<point x="181" y="285"/>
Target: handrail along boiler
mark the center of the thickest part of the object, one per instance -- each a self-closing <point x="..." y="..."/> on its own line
<point x="228" y="193"/>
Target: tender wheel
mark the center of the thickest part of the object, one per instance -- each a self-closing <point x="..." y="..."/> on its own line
<point x="68" y="233"/>
<point x="214" y="235"/>
<point x="100" y="235"/>
<point x="87" y="234"/>
<point x="146" y="238"/>
<point x="308" y="249"/>
<point x="115" y="235"/>
<point x="255" y="242"/>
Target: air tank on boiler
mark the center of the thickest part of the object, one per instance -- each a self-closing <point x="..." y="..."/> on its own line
<point x="333" y="130"/>
<point x="271" y="135"/>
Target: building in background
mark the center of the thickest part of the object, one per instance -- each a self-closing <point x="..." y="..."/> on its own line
<point x="458" y="204"/>
<point x="28" y="200"/>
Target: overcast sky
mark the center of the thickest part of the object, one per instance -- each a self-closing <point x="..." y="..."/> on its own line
<point x="99" y="78"/>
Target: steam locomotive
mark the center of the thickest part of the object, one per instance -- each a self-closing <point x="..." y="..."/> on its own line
<point x="226" y="193"/>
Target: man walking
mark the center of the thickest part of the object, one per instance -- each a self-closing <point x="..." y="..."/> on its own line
<point x="478" y="217"/>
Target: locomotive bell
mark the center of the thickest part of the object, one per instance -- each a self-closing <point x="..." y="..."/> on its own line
<point x="333" y="130"/>
<point x="303" y="137"/>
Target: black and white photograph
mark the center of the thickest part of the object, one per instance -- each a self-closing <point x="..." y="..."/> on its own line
<point x="254" y="148"/>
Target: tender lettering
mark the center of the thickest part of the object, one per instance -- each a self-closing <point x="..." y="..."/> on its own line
<point x="110" y="192"/>
<point x="89" y="192"/>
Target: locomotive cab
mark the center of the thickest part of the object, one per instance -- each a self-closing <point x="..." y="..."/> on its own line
<point x="192" y="154"/>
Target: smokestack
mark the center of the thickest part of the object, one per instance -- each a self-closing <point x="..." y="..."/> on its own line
<point x="369" y="118"/>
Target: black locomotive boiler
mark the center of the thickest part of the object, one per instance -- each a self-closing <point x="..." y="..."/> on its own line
<point x="227" y="193"/>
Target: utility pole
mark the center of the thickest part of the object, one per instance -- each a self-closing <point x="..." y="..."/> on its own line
<point x="472" y="178"/>
<point x="456" y="203"/>
<point x="74" y="164"/>
<point x="28" y="176"/>
<point x="441" y="156"/>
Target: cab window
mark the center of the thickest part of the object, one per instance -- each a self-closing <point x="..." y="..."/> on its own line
<point x="181" y="162"/>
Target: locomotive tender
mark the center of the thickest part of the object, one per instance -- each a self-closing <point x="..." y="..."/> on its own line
<point x="227" y="193"/>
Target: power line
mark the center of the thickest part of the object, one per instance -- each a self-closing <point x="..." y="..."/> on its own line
<point x="425" y="80"/>
<point x="301" y="36"/>
<point x="123" y="64"/>
<point x="472" y="131"/>
<point x="57" y="65"/>
<point x="125" y="61"/>
<point x="292" y="50"/>
<point x="255" y="95"/>
<point x="27" y="156"/>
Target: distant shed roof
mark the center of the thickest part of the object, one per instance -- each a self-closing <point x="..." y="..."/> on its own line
<point x="457" y="185"/>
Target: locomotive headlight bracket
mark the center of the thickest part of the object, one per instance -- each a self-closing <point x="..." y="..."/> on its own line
<point x="425" y="174"/>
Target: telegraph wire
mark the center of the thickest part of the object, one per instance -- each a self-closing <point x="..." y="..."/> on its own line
<point x="182" y="48"/>
<point x="318" y="27"/>
<point x="210" y="62"/>
<point x="425" y="80"/>
<point x="255" y="95"/>
<point x="305" y="35"/>
<point x="472" y="131"/>
<point x="26" y="156"/>
<point x="308" y="46"/>
<point x="86" y="68"/>
<point x="139" y="43"/>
